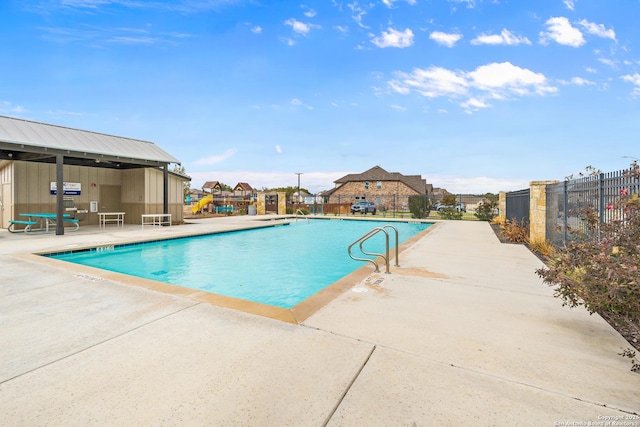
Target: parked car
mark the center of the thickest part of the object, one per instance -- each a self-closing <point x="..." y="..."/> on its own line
<point x="460" y="207"/>
<point x="364" y="208"/>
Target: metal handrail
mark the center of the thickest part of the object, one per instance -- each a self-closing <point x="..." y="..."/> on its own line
<point x="301" y="212"/>
<point x="385" y="256"/>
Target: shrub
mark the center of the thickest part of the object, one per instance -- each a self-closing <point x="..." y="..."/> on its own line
<point x="450" y="213"/>
<point x="543" y="247"/>
<point x="486" y="210"/>
<point x="515" y="232"/>
<point x="499" y="220"/>
<point x="603" y="275"/>
<point x="419" y="206"/>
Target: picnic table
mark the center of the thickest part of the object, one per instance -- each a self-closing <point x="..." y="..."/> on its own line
<point x="42" y="219"/>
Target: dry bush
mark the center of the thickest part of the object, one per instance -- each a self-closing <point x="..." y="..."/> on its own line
<point x="499" y="220"/>
<point x="515" y="232"/>
<point x="542" y="247"/>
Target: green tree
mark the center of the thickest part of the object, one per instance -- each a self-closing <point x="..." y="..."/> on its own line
<point x="288" y="190"/>
<point x="419" y="206"/>
<point x="186" y="184"/>
<point x="226" y="187"/>
<point x="492" y="197"/>
<point x="486" y="210"/>
<point x="449" y="209"/>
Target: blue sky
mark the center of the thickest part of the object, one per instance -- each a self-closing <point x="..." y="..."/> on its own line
<point x="474" y="95"/>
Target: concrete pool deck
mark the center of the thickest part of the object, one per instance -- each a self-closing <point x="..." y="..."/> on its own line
<point x="463" y="333"/>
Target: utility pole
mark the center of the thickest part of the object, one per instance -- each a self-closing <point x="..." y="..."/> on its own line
<point x="298" y="173"/>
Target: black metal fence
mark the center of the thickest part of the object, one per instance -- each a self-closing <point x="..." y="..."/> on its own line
<point x="518" y="206"/>
<point x="568" y="201"/>
<point x="388" y="205"/>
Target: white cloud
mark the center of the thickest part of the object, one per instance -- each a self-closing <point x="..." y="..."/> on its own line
<point x="56" y="112"/>
<point x="114" y="36"/>
<point x="470" y="3"/>
<point x="491" y="81"/>
<point x="505" y="37"/>
<point x="398" y="107"/>
<point x="288" y="41"/>
<point x="569" y="4"/>
<point x="394" y="38"/>
<point x="633" y="79"/>
<point x="598" y="30"/>
<point x="389" y="3"/>
<point x="506" y="78"/>
<point x="560" y="30"/>
<point x="578" y="81"/>
<point x="300" y="27"/>
<point x="180" y="6"/>
<point x="256" y="30"/>
<point x="400" y="88"/>
<point x="608" y="62"/>
<point x="8" y="106"/>
<point x="296" y="102"/>
<point x="278" y="149"/>
<point x="431" y="82"/>
<point x="474" y="104"/>
<point x="310" y="13"/>
<point x="445" y="39"/>
<point x="217" y="158"/>
<point x="342" y="28"/>
<point x="358" y="13"/>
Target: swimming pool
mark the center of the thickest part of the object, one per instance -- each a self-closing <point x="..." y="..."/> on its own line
<point x="278" y="266"/>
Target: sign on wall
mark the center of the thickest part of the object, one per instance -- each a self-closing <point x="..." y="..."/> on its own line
<point x="68" y="188"/>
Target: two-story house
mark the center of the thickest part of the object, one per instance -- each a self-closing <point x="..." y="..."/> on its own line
<point x="389" y="190"/>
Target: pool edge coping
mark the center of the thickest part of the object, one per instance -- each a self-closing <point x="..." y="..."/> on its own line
<point x="295" y="315"/>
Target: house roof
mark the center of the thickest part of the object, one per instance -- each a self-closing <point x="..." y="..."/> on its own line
<point x="213" y="185"/>
<point x="376" y="173"/>
<point x="33" y="141"/>
<point x="243" y="186"/>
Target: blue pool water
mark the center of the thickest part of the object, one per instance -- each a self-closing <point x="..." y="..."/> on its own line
<point x="279" y="266"/>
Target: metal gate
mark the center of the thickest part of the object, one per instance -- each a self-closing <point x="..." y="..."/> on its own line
<point x="518" y="203"/>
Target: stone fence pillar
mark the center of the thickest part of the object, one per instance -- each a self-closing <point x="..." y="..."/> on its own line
<point x="538" y="210"/>
<point x="261" y="209"/>
<point x="502" y="206"/>
<point x="282" y="203"/>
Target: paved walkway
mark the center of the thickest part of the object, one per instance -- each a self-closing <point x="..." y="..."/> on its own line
<point x="463" y="333"/>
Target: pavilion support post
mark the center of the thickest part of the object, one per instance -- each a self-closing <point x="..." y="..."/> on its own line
<point x="59" y="194"/>
<point x="165" y="196"/>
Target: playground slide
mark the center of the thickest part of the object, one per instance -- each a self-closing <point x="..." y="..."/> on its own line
<point x="202" y="203"/>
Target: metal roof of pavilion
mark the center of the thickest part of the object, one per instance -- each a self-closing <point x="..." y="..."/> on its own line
<point x="33" y="141"/>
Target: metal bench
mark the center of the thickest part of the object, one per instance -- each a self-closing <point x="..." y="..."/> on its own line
<point x="73" y="221"/>
<point x="27" y="225"/>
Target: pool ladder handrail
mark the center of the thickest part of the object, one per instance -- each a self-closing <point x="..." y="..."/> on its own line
<point x="385" y="256"/>
<point x="301" y="214"/>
